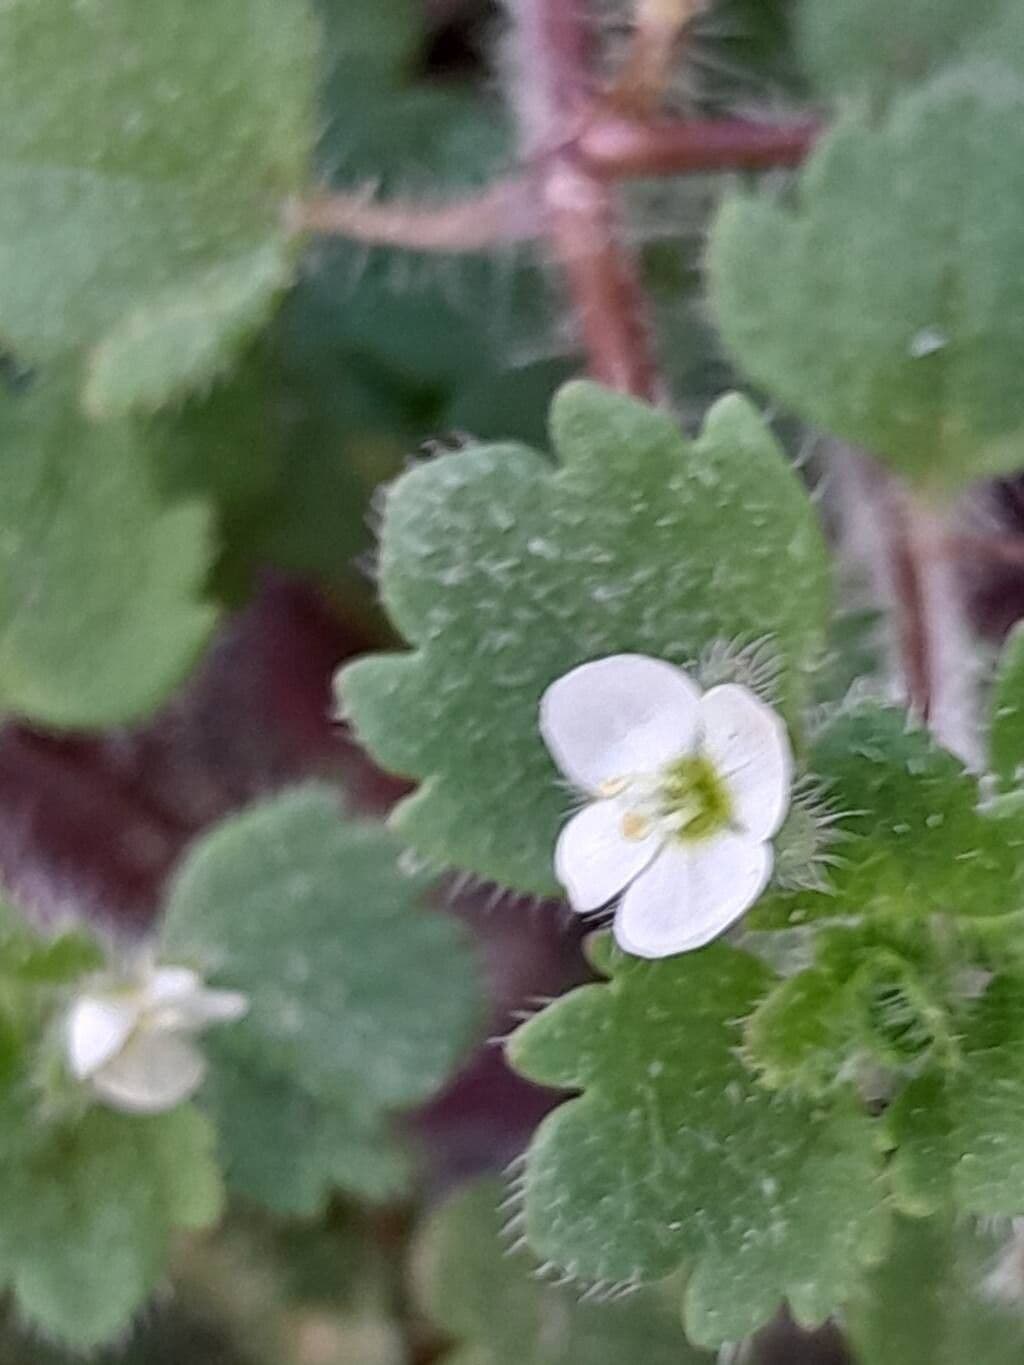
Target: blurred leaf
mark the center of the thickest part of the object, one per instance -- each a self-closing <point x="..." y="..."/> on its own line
<point x="89" y="1207"/>
<point x="674" y="1155"/>
<point x="288" y="1151"/>
<point x="385" y="35"/>
<point x="928" y="1303"/>
<point x="185" y="335"/>
<point x="1006" y="732"/>
<point x="100" y="607"/>
<point x="505" y="572"/>
<point x="359" y="995"/>
<point x="875" y="48"/>
<point x="893" y="312"/>
<point x="123" y="181"/>
<point x="295" y="1293"/>
<point x="498" y="1313"/>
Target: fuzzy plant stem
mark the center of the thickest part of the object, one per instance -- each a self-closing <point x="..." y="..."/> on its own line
<point x="550" y="85"/>
<point x="936" y="646"/>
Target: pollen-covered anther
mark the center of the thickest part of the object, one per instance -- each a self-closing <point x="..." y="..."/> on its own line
<point x="635" y="825"/>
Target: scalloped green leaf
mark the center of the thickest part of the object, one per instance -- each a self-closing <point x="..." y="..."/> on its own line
<point x="960" y="1134"/>
<point x="498" y="1313"/>
<point x="89" y="1210"/>
<point x="893" y="311"/>
<point x="504" y="571"/>
<point x="932" y="1302"/>
<point x="914" y="842"/>
<point x="124" y="180"/>
<point x="674" y="1154"/>
<point x="101" y="608"/>
<point x="874" y="48"/>
<point x="289" y="1150"/>
<point x="362" y="998"/>
<point x="1006" y="728"/>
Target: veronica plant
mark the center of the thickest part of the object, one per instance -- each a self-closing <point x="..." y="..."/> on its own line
<point x="617" y="651"/>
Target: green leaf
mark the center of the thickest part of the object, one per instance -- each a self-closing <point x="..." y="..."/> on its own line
<point x="359" y="995"/>
<point x="44" y="957"/>
<point x="913" y="840"/>
<point x="674" y="1155"/>
<point x="100" y="607"/>
<point x="89" y="1208"/>
<point x="928" y="1304"/>
<point x="1006" y="731"/>
<point x="801" y="1033"/>
<point x="504" y="572"/>
<point x="892" y="314"/>
<point x="385" y="35"/>
<point x="874" y="48"/>
<point x="960" y="1134"/>
<point x="184" y="336"/>
<point x="498" y="1313"/>
<point x="123" y="181"/>
<point x="289" y="1151"/>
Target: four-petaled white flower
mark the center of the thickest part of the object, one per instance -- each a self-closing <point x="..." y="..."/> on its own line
<point x="132" y="1040"/>
<point x="685" y="792"/>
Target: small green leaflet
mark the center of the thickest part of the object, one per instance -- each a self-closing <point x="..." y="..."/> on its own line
<point x="504" y="571"/>
<point x="493" y="1306"/>
<point x="914" y="842"/>
<point x="935" y="1300"/>
<point x="124" y="184"/>
<point x="361" y="996"/>
<point x="101" y="609"/>
<point x="675" y="1156"/>
<point x="89" y="1208"/>
<point x="960" y="1133"/>
<point x="893" y="311"/>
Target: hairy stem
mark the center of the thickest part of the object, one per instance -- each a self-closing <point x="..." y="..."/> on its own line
<point x="503" y="212"/>
<point x="550" y="47"/>
<point x="618" y="148"/>
<point x="936" y="646"/>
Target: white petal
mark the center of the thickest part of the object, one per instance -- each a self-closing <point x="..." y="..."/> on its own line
<point x="155" y="1072"/>
<point x="220" y="1008"/>
<point x="748" y="744"/>
<point x="97" y="1028"/>
<point x="691" y="893"/>
<point x="168" y="985"/>
<point x="177" y="999"/>
<point x="593" y="858"/>
<point x="621" y="715"/>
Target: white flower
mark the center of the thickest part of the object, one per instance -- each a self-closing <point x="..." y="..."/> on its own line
<point x="686" y="790"/>
<point x="132" y="1041"/>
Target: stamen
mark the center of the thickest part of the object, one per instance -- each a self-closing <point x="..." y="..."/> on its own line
<point x="612" y="786"/>
<point x="635" y="825"/>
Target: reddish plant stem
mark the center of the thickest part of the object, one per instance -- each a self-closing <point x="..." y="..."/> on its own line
<point x="503" y="212"/>
<point x="619" y="148"/>
<point x="1000" y="549"/>
<point x="607" y="148"/>
<point x="551" y="48"/>
<point x="911" y="614"/>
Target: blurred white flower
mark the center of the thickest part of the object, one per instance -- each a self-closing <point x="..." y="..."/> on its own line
<point x="132" y="1041"/>
<point x="685" y="792"/>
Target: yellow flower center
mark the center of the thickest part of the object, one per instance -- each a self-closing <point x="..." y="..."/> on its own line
<point x="692" y="798"/>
